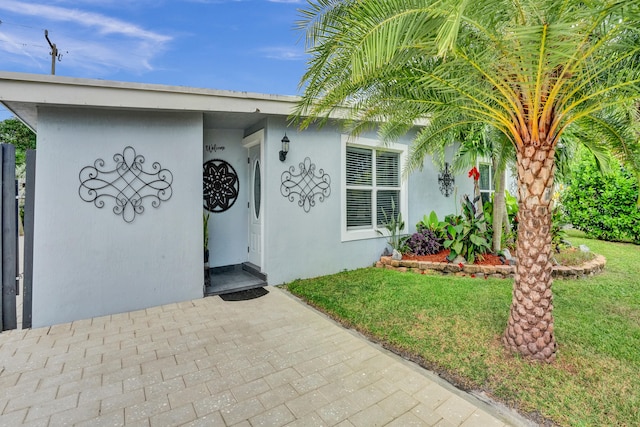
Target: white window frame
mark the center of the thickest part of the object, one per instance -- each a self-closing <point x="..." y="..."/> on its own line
<point x="372" y="144"/>
<point x="492" y="187"/>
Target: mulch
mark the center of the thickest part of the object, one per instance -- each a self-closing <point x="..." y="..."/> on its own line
<point x="486" y="259"/>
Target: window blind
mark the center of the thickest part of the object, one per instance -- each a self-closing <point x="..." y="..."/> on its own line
<point x="359" y="208"/>
<point x="369" y="197"/>
<point x="359" y="162"/>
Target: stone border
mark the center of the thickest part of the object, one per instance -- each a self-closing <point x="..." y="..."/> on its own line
<point x="589" y="268"/>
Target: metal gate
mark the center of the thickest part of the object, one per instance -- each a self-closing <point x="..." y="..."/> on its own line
<point x="9" y="245"/>
<point x="9" y="251"/>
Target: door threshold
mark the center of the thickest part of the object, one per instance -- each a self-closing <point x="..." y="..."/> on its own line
<point x="232" y="278"/>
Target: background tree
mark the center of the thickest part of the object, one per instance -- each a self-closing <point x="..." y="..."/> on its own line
<point x="530" y="69"/>
<point x="602" y="204"/>
<point x="483" y="142"/>
<point x="13" y="131"/>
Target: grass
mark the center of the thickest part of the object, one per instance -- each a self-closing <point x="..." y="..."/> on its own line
<point x="454" y="325"/>
<point x="572" y="256"/>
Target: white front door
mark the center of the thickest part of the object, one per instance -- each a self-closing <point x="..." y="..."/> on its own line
<point x="255" y="206"/>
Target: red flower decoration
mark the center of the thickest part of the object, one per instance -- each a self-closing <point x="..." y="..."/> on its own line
<point x="474" y="173"/>
<point x="473" y="276"/>
<point x="461" y="265"/>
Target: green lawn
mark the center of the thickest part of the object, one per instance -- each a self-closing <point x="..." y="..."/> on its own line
<point x="454" y="325"/>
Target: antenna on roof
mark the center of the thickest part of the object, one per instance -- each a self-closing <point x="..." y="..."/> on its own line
<point x="54" y="53"/>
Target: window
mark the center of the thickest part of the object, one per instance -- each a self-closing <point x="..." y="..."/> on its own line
<point x="486" y="184"/>
<point x="373" y="189"/>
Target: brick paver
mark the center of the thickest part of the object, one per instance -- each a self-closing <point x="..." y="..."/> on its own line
<point x="271" y="361"/>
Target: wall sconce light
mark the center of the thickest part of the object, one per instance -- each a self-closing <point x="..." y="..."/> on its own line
<point x="446" y="181"/>
<point x="285" y="148"/>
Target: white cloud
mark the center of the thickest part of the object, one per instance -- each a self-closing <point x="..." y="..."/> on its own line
<point x="283" y="53"/>
<point x="104" y="24"/>
<point x="89" y="41"/>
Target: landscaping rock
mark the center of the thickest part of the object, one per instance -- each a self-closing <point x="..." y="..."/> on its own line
<point x="510" y="260"/>
<point x="396" y="255"/>
<point x="589" y="268"/>
<point x="451" y="268"/>
<point x="488" y="270"/>
<point x="584" y="248"/>
<point x="473" y="269"/>
<point x="459" y="260"/>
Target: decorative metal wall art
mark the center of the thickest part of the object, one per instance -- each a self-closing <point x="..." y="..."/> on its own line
<point x="127" y="183"/>
<point x="306" y="184"/>
<point x="446" y="181"/>
<point x="221" y="186"/>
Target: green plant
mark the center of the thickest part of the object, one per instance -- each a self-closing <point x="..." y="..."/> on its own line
<point x="205" y="230"/>
<point x="468" y="238"/>
<point x="571" y="256"/>
<point x="507" y="239"/>
<point x="602" y="205"/>
<point x="424" y="242"/>
<point x="558" y="235"/>
<point x="433" y="224"/>
<point x="394" y="224"/>
<point x="512" y="208"/>
<point x="536" y="71"/>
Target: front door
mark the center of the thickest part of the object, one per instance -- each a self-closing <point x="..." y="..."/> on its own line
<point x="255" y="206"/>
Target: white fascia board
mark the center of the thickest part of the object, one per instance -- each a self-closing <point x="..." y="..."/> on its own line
<point x="66" y="91"/>
<point x="24" y="90"/>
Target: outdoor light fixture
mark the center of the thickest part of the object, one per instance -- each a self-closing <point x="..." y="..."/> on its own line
<point x="285" y="148"/>
<point x="446" y="181"/>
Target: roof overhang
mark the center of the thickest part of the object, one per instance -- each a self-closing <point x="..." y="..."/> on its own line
<point x="23" y="93"/>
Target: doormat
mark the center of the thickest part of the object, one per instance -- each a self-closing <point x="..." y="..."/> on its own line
<point x="245" y="295"/>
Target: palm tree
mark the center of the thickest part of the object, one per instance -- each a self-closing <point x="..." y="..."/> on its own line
<point x="530" y="69"/>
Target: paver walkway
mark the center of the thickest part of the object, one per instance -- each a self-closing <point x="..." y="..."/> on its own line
<point x="270" y="361"/>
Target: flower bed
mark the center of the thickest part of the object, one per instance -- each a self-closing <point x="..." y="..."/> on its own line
<point x="422" y="265"/>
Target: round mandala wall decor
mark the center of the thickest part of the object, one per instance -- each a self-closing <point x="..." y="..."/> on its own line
<point x="220" y="186"/>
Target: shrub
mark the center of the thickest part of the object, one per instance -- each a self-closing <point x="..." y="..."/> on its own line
<point x="439" y="228"/>
<point x="424" y="242"/>
<point x="394" y="225"/>
<point x="469" y="238"/>
<point x="603" y="206"/>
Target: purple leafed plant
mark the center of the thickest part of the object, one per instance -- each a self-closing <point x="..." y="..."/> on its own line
<point x="424" y="242"/>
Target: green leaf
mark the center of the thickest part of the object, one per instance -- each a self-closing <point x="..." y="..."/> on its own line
<point x="433" y="220"/>
<point x="457" y="247"/>
<point x="478" y="241"/>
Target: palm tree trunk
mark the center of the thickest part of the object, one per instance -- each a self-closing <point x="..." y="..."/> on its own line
<point x="530" y="326"/>
<point x="499" y="207"/>
<point x="478" y="204"/>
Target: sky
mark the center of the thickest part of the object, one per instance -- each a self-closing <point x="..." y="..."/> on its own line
<point x="240" y="45"/>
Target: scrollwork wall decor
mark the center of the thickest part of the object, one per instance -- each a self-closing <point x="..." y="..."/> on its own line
<point x="446" y="181"/>
<point x="306" y="184"/>
<point x="220" y="185"/>
<point x="126" y="183"/>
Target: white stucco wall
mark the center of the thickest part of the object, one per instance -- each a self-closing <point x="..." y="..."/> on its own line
<point x="228" y="230"/>
<point x="90" y="262"/>
<point x="301" y="244"/>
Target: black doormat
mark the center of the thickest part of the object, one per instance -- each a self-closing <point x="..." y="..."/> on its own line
<point x="245" y="295"/>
